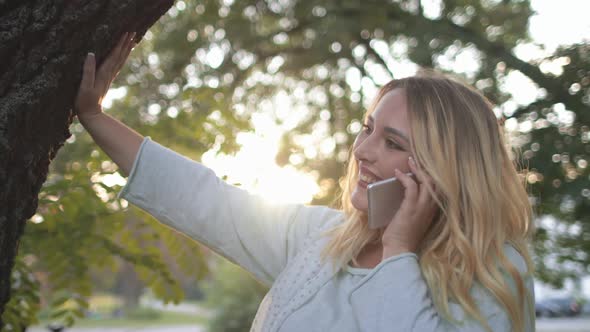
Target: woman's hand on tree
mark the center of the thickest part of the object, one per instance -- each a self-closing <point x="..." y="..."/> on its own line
<point x="94" y="85"/>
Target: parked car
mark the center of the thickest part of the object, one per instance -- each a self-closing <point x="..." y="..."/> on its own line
<point x="558" y="307"/>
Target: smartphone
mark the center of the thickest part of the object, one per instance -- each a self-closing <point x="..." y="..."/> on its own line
<point x="385" y="198"/>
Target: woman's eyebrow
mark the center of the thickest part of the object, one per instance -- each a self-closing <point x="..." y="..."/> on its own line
<point x="396" y="132"/>
<point x="391" y="130"/>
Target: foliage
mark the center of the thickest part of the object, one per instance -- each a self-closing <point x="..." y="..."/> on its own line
<point x="23" y="305"/>
<point x="235" y="297"/>
<point x="557" y="149"/>
<point x="143" y="313"/>
<point x="312" y="66"/>
<point x="80" y="224"/>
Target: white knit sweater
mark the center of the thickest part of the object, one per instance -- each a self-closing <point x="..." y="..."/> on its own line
<point x="280" y="246"/>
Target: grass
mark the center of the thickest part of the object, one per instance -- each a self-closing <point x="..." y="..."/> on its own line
<point x="164" y="318"/>
<point x="104" y="304"/>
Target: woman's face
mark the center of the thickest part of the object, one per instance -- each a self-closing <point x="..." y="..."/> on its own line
<point x="382" y="146"/>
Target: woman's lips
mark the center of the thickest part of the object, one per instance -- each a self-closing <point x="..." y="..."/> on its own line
<point x="366" y="177"/>
<point x="363" y="184"/>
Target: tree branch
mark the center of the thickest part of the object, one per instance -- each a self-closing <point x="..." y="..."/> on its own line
<point x="445" y="27"/>
<point x="377" y="56"/>
<point x="499" y="51"/>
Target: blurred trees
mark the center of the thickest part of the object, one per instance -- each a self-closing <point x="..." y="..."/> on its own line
<point x="234" y="296"/>
<point x="312" y="66"/>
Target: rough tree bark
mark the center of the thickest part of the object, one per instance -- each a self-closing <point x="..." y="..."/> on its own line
<point x="43" y="44"/>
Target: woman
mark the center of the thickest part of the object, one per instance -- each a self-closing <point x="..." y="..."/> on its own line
<point x="453" y="258"/>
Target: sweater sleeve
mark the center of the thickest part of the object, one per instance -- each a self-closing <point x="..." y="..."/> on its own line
<point x="395" y="297"/>
<point x="190" y="198"/>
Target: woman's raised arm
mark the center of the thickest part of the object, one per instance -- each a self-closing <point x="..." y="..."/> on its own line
<point x="118" y="141"/>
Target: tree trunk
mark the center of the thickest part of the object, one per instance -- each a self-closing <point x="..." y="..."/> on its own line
<point x="43" y="44"/>
<point x="129" y="286"/>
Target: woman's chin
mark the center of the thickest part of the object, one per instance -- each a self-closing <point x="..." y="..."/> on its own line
<point x="358" y="199"/>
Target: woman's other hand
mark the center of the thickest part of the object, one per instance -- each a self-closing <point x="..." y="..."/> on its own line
<point x="417" y="211"/>
<point x="94" y="85"/>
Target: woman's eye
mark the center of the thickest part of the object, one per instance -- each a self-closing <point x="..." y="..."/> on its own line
<point x="392" y="144"/>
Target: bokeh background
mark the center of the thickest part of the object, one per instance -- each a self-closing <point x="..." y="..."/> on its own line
<point x="270" y="95"/>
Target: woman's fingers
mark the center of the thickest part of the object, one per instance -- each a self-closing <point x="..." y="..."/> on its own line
<point x="87" y="82"/>
<point x="86" y="97"/>
<point x="424" y="198"/>
<point x="115" y="55"/>
<point x="414" y="168"/>
<point x="94" y="84"/>
<point x="411" y="188"/>
<point x="106" y="70"/>
<point x="125" y="51"/>
<point x="127" y="48"/>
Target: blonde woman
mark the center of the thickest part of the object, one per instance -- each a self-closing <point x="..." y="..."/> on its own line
<point x="453" y="258"/>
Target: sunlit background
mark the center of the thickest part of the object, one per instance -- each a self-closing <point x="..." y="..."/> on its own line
<point x="254" y="168"/>
<point x="556" y="23"/>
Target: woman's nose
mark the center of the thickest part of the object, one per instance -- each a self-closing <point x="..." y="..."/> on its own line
<point x="365" y="150"/>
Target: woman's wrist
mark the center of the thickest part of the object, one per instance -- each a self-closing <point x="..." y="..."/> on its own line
<point x="88" y="116"/>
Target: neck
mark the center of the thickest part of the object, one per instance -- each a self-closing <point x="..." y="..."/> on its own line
<point x="370" y="256"/>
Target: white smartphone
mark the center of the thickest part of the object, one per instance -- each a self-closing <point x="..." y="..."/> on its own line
<point x="385" y="198"/>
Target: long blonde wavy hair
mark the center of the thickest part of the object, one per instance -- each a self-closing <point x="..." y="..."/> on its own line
<point x="483" y="203"/>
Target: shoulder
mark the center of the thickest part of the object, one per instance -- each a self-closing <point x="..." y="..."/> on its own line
<point x="319" y="217"/>
<point x="489" y="303"/>
<point x="308" y="224"/>
<point x="516" y="258"/>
